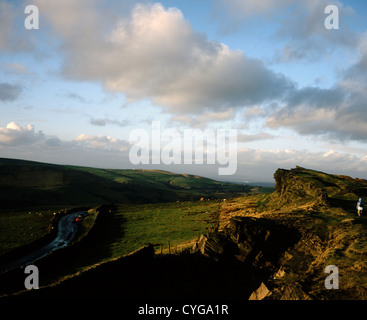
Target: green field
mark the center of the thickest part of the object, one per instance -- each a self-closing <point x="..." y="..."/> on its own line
<point x="18" y="228"/>
<point x="159" y="224"/>
<point x="124" y="230"/>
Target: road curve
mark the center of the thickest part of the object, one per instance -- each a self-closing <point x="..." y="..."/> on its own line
<point x="66" y="231"/>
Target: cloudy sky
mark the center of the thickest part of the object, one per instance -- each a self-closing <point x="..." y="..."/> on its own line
<point x="72" y="91"/>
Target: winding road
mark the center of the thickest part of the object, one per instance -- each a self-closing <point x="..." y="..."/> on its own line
<point x="66" y="231"/>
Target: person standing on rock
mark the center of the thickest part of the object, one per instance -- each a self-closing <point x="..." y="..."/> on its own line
<point x="360" y="207"/>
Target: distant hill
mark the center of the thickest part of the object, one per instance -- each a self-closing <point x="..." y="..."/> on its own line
<point x="29" y="183"/>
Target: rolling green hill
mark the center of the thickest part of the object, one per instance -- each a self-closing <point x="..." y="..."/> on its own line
<point x="27" y="183"/>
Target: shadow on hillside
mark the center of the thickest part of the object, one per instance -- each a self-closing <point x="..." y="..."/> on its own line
<point x="347" y="205"/>
<point x="145" y="276"/>
<point x="227" y="270"/>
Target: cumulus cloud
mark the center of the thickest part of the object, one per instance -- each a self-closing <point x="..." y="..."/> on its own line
<point x="338" y="112"/>
<point x="101" y="142"/>
<point x="15" y="135"/>
<point x="343" y="121"/>
<point x="154" y="53"/>
<point x="26" y="143"/>
<point x="307" y="107"/>
<point x="9" y="92"/>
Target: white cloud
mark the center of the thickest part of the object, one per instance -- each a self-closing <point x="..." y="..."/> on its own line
<point x="14" y="135"/>
<point x="100" y="142"/>
<point x="154" y="53"/>
<point x="339" y="113"/>
<point x="24" y="142"/>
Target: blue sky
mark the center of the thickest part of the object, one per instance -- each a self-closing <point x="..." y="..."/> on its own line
<point x="72" y="91"/>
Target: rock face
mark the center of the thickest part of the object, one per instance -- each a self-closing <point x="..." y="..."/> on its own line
<point x="216" y="245"/>
<point x="294" y="186"/>
<point x="255" y="242"/>
<point x="255" y="245"/>
<point x="261" y="292"/>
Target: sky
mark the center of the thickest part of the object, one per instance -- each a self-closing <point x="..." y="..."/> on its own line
<point x="76" y="87"/>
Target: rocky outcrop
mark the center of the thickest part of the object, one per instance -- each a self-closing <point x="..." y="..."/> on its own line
<point x="216" y="245"/>
<point x="295" y="186"/>
<point x="247" y="239"/>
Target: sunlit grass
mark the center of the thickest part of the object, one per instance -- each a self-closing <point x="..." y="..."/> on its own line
<point x="175" y="223"/>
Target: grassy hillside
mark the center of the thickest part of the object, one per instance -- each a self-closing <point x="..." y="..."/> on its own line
<point x="27" y="183"/>
<point x="30" y="192"/>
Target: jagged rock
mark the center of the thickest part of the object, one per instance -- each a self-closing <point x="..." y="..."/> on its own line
<point x="260" y="293"/>
<point x="293" y="291"/>
<point x="215" y="245"/>
<point x="199" y="246"/>
<point x="280" y="273"/>
<point x="258" y="242"/>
